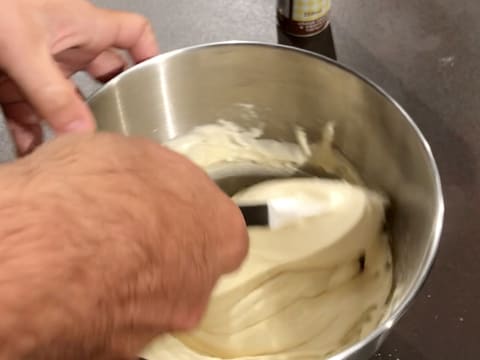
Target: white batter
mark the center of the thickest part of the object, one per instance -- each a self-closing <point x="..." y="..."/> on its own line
<point x="301" y="293"/>
<point x="226" y="149"/>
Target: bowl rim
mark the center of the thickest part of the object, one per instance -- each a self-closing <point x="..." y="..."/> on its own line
<point x="438" y="218"/>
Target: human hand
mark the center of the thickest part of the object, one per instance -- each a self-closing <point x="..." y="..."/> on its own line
<point x="105" y="243"/>
<point x="43" y="43"/>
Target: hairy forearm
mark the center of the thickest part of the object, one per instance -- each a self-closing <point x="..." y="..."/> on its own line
<point x="17" y="273"/>
<point x="32" y="308"/>
<point x="47" y="262"/>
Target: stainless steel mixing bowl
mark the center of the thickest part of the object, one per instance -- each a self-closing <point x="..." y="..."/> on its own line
<point x="282" y="87"/>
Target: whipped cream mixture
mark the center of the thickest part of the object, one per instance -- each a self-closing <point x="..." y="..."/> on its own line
<point x="307" y="289"/>
<point x="225" y="149"/>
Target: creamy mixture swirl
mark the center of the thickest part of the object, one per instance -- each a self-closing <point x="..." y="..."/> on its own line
<point x="307" y="289"/>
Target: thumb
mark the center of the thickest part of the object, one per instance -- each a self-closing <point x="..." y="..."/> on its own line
<point x="53" y="97"/>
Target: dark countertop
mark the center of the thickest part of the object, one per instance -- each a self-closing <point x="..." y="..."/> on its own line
<point x="426" y="54"/>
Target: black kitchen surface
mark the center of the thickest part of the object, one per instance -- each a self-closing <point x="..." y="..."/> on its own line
<point x="426" y="55"/>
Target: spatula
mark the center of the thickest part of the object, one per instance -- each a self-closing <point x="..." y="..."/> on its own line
<point x="275" y="212"/>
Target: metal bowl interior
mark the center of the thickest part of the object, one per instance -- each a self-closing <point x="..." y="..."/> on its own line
<point x="281" y="87"/>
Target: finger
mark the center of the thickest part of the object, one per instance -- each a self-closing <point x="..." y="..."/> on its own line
<point x="9" y="92"/>
<point x="25" y="137"/>
<point x="43" y="84"/>
<point x="21" y="112"/>
<point x="74" y="59"/>
<point x="24" y="126"/>
<point x="107" y="65"/>
<point x="133" y="32"/>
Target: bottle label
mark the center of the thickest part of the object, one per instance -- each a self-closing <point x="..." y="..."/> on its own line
<point x="303" y="17"/>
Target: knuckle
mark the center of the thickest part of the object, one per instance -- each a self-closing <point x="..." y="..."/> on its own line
<point x="139" y="22"/>
<point x="142" y="21"/>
